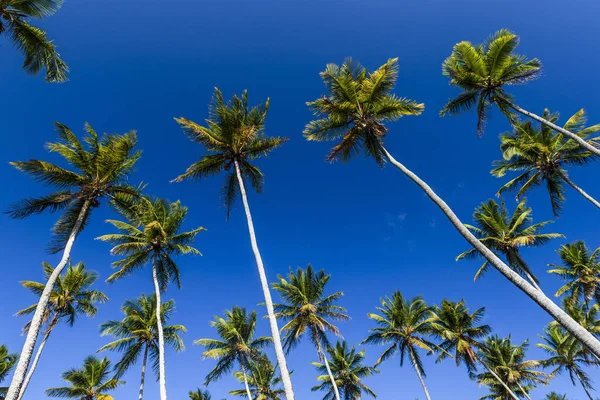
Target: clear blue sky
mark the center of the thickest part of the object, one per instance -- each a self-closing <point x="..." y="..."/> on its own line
<point x="137" y="64"/>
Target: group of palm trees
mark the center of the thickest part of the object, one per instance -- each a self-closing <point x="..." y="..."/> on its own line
<point x="353" y="112"/>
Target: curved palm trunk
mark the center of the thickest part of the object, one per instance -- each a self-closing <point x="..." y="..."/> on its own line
<point x="580" y="190"/>
<point x="143" y="373"/>
<point x="565" y="132"/>
<point x="285" y="375"/>
<point x="414" y="361"/>
<point x="323" y="357"/>
<point x="161" y="339"/>
<point x="504" y="385"/>
<point x="248" y="392"/>
<point x="579" y="332"/>
<point x="523" y="391"/>
<point x="37" y="320"/>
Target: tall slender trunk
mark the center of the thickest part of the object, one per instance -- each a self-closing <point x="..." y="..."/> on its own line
<point x="565" y="132"/>
<point x="36" y="359"/>
<point x="161" y="339"/>
<point x="523" y="391"/>
<point x="491" y="371"/>
<point x="414" y="360"/>
<point x="579" y="332"/>
<point x="143" y="373"/>
<point x="248" y="392"/>
<point x="37" y="320"/>
<point x="580" y="190"/>
<point x="323" y="357"/>
<point x="285" y="375"/>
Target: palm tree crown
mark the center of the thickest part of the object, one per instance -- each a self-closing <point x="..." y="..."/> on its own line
<point x="556" y="396"/>
<point x="356" y="107"/>
<point x="263" y="381"/>
<point x="7" y="363"/>
<point x="199" y="395"/>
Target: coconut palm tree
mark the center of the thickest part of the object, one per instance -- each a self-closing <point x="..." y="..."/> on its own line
<point x="307" y="310"/>
<point x="7" y="363"/>
<point x="586" y="315"/>
<point x="236" y="346"/>
<point x="404" y="326"/>
<point x="581" y="270"/>
<point x="40" y="53"/>
<point x="358" y="105"/>
<point x="556" y="396"/>
<point x="349" y="371"/>
<point x="567" y="355"/>
<point x="199" y="395"/>
<point x="234" y="136"/>
<point x="540" y="156"/>
<point x="263" y="382"/>
<point x="152" y="234"/>
<point x="461" y="334"/>
<point x="505" y="234"/>
<point x="507" y="361"/>
<point x="92" y="382"/>
<point x="137" y="334"/>
<point x="70" y="298"/>
<point x="102" y="172"/>
<point x="482" y="72"/>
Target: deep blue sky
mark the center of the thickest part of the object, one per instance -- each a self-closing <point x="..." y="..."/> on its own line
<point x="138" y="64"/>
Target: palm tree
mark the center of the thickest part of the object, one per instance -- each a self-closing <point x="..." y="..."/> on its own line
<point x="483" y="71"/>
<point x="348" y="370"/>
<point x="92" y="382"/>
<point x="234" y="136"/>
<point x="137" y="334"/>
<point x="307" y="309"/>
<point x="405" y="326"/>
<point x="236" y="345"/>
<point x="505" y="234"/>
<point x="357" y="106"/>
<point x="507" y="361"/>
<point x="152" y="234"/>
<point x="7" y="363"/>
<point x="586" y="315"/>
<point x="199" y="394"/>
<point x="581" y="270"/>
<point x="556" y="396"/>
<point x="460" y="333"/>
<point x="102" y="172"/>
<point x="262" y="381"/>
<point x="567" y="355"/>
<point x="70" y="297"/>
<point x="540" y="155"/>
<point x="32" y="42"/>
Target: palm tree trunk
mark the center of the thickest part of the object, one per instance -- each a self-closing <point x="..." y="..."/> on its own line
<point x="143" y="373"/>
<point x="491" y="371"/>
<point x="323" y="356"/>
<point x="565" y="132"/>
<point x="285" y="375"/>
<point x="523" y="391"/>
<point x="580" y="190"/>
<point x="36" y="359"/>
<point x="161" y="339"/>
<point x="37" y="320"/>
<point x="414" y="360"/>
<point x="579" y="332"/>
<point x="248" y="392"/>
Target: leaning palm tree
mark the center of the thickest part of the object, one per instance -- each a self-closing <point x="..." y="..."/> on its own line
<point x="263" y="381"/>
<point x="152" y="235"/>
<point x="40" y="53"/>
<point x="199" y="394"/>
<point x="461" y="334"/>
<point x="505" y="234"/>
<point x="306" y="309"/>
<point x="102" y="172"/>
<point x="7" y="363"/>
<point x="70" y="298"/>
<point x="540" y="156"/>
<point x="483" y="71"/>
<point x="581" y="270"/>
<point x="348" y="370"/>
<point x="92" y="382"/>
<point x="234" y="136"/>
<point x="137" y="334"/>
<point x="567" y="355"/>
<point x="404" y="325"/>
<point x="236" y="344"/>
<point x="358" y="105"/>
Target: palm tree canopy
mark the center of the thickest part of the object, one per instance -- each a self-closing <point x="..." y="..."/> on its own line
<point x="98" y="171"/>
<point x="236" y="343"/>
<point x="91" y="382"/>
<point x="71" y="295"/>
<point x="348" y="369"/>
<point x="306" y="307"/>
<point x="199" y="394"/>
<point x="138" y="329"/>
<point x="581" y="270"/>
<point x="151" y="232"/>
<point x="263" y="381"/>
<point x="355" y="109"/>
<point x="556" y="396"/>
<point x="585" y="315"/>
<point x="234" y="133"/>
<point x="482" y="72"/>
<point x="460" y="332"/>
<point x="40" y="53"/>
<point x="540" y="155"/>
<point x="7" y="361"/>
<point x="505" y="234"/>
<point x="405" y="326"/>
